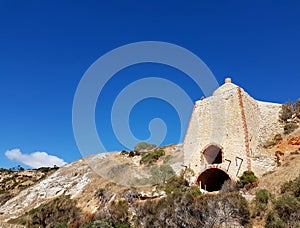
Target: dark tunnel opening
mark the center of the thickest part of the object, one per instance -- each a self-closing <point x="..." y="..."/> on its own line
<point x="212" y="179"/>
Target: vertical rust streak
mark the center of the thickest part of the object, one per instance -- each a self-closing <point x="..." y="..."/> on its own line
<point x="246" y="134"/>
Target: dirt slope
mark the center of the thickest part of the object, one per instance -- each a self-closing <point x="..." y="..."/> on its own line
<point x="287" y="152"/>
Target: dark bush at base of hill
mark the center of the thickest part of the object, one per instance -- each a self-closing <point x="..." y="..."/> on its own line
<point x="184" y="210"/>
<point x="57" y="213"/>
<point x="281" y="211"/>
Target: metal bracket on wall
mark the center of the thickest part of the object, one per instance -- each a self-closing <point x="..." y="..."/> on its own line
<point x="236" y="163"/>
<point x="229" y="162"/>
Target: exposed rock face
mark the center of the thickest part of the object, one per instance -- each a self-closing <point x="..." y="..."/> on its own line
<point x="226" y="131"/>
<point x="71" y="179"/>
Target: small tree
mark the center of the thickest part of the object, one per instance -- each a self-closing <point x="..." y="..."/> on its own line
<point x="248" y="179"/>
<point x="287" y="111"/>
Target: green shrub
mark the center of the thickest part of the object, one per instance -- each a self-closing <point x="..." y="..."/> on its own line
<point x="272" y="222"/>
<point x="184" y="210"/>
<point x="119" y="211"/>
<point x="58" y="212"/>
<point x="176" y="184"/>
<point x="286" y="207"/>
<point x="292" y="187"/>
<point x="124" y="152"/>
<point x="289" y="128"/>
<point x="262" y="196"/>
<point x="261" y="201"/>
<point x="272" y="142"/>
<point x="247" y="179"/>
<point x="61" y="225"/>
<point x="3" y="170"/>
<point x="152" y="156"/>
<point x="47" y="169"/>
<point x="144" y="146"/>
<point x="100" y="192"/>
<point x="194" y="191"/>
<point x="269" y="144"/>
<point x="161" y="173"/>
<point x="277" y="137"/>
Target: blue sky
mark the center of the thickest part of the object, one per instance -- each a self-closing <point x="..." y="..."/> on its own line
<point x="46" y="46"/>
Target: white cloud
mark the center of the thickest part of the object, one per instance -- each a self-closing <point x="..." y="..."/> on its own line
<point x="34" y="160"/>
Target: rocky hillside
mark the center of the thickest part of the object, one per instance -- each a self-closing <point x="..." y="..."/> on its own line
<point x="81" y="183"/>
<point x="87" y="198"/>
<point x="13" y="181"/>
<point x="141" y="189"/>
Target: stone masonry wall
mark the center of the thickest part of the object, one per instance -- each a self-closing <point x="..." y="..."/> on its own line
<point x="235" y="122"/>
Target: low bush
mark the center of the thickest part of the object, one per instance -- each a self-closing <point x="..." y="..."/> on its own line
<point x="261" y="201"/>
<point x="278" y="137"/>
<point x="144" y="146"/>
<point x="291" y="187"/>
<point x="61" y="225"/>
<point x="283" y="211"/>
<point x="274" y="141"/>
<point x="185" y="210"/>
<point x="248" y="179"/>
<point x="100" y="193"/>
<point x="269" y="144"/>
<point x="272" y="222"/>
<point x="289" y="128"/>
<point x="152" y="156"/>
<point x="194" y="191"/>
<point x="287" y="208"/>
<point x="124" y="152"/>
<point x="176" y="184"/>
<point x="57" y="213"/>
<point x="119" y="211"/>
<point x="262" y="196"/>
<point x="162" y="173"/>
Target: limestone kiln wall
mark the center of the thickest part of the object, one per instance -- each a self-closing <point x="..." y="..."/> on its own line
<point x="237" y="124"/>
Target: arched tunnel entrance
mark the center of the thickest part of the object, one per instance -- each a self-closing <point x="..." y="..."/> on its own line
<point x="212" y="179"/>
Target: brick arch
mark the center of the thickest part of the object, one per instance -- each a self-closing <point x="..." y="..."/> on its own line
<point x="208" y="146"/>
<point x="212" y="178"/>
